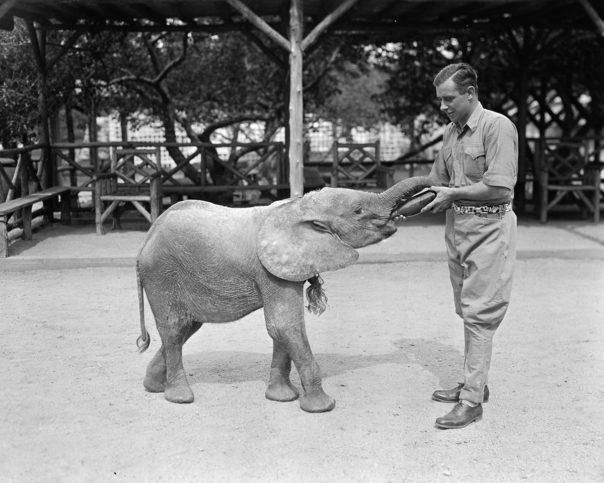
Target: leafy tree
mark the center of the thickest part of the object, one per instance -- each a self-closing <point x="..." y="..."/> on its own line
<point x="18" y="87"/>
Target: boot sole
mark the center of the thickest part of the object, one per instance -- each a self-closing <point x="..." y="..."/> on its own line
<point x="451" y="401"/>
<point x="444" y="426"/>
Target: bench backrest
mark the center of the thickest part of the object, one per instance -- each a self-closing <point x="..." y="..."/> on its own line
<point x="564" y="160"/>
<point x="355" y="164"/>
<point x="135" y="167"/>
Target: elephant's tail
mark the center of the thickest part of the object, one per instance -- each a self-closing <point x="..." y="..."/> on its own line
<point x="143" y="340"/>
<point x="317" y="300"/>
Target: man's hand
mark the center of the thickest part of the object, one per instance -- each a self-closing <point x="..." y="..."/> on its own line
<point x="443" y="201"/>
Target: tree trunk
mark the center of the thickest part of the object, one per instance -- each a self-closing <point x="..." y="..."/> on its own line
<point x="167" y="119"/>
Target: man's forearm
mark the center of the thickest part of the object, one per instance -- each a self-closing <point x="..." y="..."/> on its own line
<point x="479" y="192"/>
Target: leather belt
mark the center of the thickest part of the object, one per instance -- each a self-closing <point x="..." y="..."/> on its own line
<point x="482" y="209"/>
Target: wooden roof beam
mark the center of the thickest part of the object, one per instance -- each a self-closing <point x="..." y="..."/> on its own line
<point x="327" y="22"/>
<point x="259" y="23"/>
<point x="5" y="7"/>
<point x="593" y="15"/>
<point x="6" y="21"/>
<point x="91" y="27"/>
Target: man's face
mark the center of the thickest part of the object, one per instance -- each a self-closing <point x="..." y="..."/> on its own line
<point x="455" y="105"/>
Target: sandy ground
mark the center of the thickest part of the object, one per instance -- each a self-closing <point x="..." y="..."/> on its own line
<point x="74" y="409"/>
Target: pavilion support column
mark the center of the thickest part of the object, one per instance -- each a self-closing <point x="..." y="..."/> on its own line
<point x="296" y="103"/>
<point x="520" y="194"/>
<point x="38" y="42"/>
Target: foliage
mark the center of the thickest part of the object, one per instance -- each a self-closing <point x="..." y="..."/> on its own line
<point x="502" y="60"/>
<point x="18" y="86"/>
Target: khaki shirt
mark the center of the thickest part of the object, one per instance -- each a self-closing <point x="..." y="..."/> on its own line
<point x="484" y="149"/>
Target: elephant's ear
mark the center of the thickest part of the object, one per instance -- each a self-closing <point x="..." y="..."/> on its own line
<point x="294" y="247"/>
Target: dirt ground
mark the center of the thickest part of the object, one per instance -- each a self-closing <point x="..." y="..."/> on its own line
<point x="74" y="409"/>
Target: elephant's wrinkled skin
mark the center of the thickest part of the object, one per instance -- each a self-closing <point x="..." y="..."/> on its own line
<point x="204" y="263"/>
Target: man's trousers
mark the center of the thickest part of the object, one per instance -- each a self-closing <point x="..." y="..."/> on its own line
<point x="482" y="252"/>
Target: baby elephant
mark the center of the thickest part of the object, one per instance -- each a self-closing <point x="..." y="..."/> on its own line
<point x="204" y="263"/>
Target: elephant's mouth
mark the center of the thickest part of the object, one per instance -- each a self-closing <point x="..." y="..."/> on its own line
<point x="388" y="229"/>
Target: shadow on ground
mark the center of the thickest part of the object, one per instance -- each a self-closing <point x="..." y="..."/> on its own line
<point x="226" y="367"/>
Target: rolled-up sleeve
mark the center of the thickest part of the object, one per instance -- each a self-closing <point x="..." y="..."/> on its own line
<point x="501" y="147"/>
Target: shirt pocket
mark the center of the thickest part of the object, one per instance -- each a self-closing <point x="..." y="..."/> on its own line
<point x="474" y="162"/>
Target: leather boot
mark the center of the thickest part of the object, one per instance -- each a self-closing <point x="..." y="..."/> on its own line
<point x="452" y="395"/>
<point x="460" y="416"/>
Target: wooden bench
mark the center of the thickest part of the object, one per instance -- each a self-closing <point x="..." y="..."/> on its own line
<point x="134" y="178"/>
<point x="566" y="172"/>
<point x="26" y="203"/>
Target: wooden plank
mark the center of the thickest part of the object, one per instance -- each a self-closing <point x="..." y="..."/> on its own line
<point x="10" y="206"/>
<point x="125" y="197"/>
<point x="218" y="189"/>
<point x="296" y="103"/>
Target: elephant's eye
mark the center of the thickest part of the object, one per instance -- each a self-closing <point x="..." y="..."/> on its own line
<point x="358" y="210"/>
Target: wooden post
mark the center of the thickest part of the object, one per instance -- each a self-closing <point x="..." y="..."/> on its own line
<point x="73" y="176"/>
<point x="124" y="126"/>
<point x="98" y="207"/>
<point x="3" y="236"/>
<point x="522" y="118"/>
<point x="38" y="42"/>
<point x="93" y="136"/>
<point x="296" y="104"/>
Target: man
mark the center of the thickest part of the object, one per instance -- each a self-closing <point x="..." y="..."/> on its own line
<point x="475" y="173"/>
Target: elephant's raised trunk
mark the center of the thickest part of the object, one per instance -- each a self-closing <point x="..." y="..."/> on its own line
<point x="402" y="190"/>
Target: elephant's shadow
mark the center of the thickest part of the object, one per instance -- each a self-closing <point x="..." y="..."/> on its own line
<point x="228" y="367"/>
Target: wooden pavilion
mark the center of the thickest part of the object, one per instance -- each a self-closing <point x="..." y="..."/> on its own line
<point x="293" y="27"/>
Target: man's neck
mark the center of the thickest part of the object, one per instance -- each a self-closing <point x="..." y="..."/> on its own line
<point x="463" y="122"/>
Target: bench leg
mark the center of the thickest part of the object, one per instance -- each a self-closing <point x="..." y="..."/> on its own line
<point x="3" y="237"/>
<point x="66" y="208"/>
<point x="48" y="211"/>
<point x="27" y="223"/>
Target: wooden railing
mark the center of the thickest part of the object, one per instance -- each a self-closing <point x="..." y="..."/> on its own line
<point x="234" y="168"/>
<point x="20" y="174"/>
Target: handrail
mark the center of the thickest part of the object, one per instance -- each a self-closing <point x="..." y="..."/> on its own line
<point x="159" y="144"/>
<point x="24" y="149"/>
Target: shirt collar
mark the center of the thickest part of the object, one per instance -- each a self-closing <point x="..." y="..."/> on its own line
<point x="472" y="121"/>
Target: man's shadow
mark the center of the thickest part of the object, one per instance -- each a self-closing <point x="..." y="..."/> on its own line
<point x="229" y="367"/>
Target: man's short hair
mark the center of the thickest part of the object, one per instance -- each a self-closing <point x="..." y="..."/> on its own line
<point x="462" y="74"/>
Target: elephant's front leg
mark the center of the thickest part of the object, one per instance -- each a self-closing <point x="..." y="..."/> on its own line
<point x="279" y="386"/>
<point x="284" y="312"/>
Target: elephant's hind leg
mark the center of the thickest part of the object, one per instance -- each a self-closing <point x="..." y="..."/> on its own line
<point x="156" y="378"/>
<point x="279" y="386"/>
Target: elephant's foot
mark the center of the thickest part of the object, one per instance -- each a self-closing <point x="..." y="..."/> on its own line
<point x="178" y="390"/>
<point x="155" y="376"/>
<point x="281" y="391"/>
<point x="154" y="384"/>
<point x="317" y="402"/>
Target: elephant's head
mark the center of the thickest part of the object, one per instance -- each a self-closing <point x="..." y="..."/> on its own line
<point x="319" y="232"/>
